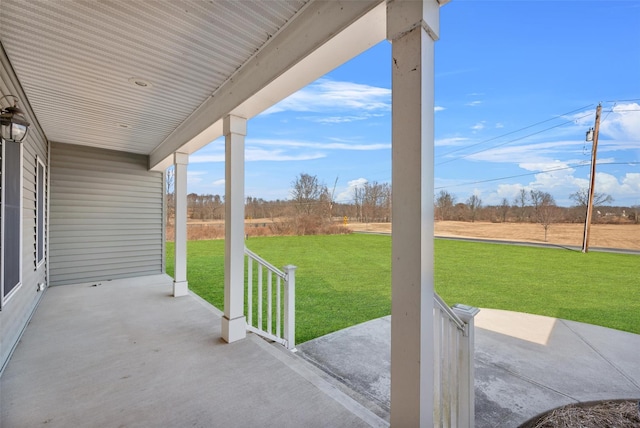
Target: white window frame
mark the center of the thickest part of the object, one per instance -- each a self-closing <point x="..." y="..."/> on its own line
<point x="4" y="299"/>
<point x="40" y="211"/>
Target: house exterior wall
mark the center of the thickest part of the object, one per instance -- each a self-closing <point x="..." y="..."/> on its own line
<point x="106" y="215"/>
<point x="17" y="309"/>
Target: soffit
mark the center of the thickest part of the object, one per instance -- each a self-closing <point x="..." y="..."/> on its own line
<point x="78" y="62"/>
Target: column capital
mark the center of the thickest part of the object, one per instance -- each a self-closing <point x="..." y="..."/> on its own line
<point x="404" y="16"/>
<point x="234" y="125"/>
<point x="180" y="158"/>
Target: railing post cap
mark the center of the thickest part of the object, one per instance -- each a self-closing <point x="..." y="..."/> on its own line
<point x="289" y="267"/>
<point x="465" y="312"/>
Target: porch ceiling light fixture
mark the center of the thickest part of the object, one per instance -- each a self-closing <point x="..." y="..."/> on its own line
<point x="14" y="125"/>
<point x="141" y="83"/>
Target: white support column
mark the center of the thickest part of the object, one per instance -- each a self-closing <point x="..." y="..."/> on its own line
<point x="234" y="326"/>
<point x="412" y="27"/>
<point x="180" y="285"/>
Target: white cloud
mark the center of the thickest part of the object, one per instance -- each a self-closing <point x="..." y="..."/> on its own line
<point x="508" y="191"/>
<point x="219" y="182"/>
<point x="255" y="154"/>
<point x="452" y="141"/>
<point x="358" y="182"/>
<point x="342" y="119"/>
<point x="537" y="152"/>
<point x="346" y="195"/>
<point x="622" y="123"/>
<point x="337" y="119"/>
<point x="627" y="187"/>
<point x="439" y="108"/>
<point x="326" y="95"/>
<point x="336" y="145"/>
<point x="473" y="103"/>
<point x="286" y="150"/>
<point x="194" y="177"/>
<point x="554" y="175"/>
<point x="478" y="126"/>
<point x="206" y="158"/>
<point x="499" y="125"/>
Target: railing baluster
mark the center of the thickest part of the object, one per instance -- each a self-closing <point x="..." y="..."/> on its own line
<point x="455" y="375"/>
<point x="250" y="291"/>
<point x="259" y="297"/>
<point x="446" y="371"/>
<point x="437" y="363"/>
<point x="278" y="305"/>
<point x="269" y="303"/>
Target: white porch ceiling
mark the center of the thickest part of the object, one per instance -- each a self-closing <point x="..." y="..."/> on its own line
<point x="81" y="63"/>
<point x="78" y="58"/>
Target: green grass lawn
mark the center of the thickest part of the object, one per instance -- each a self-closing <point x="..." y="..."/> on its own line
<point x="343" y="280"/>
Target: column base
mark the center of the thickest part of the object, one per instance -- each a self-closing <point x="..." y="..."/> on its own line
<point x="233" y="330"/>
<point x="180" y="288"/>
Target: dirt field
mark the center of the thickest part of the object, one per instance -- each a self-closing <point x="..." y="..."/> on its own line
<point x="625" y="236"/>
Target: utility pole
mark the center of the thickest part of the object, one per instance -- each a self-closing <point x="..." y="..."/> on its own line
<point x="592" y="135"/>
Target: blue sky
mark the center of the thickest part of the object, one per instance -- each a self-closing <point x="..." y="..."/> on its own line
<point x="517" y="85"/>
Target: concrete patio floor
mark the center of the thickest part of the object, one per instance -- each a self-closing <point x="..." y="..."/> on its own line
<point x="124" y="353"/>
<point x="524" y="364"/>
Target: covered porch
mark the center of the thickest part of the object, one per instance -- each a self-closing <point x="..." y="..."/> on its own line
<point x="125" y="353"/>
<point x="117" y="91"/>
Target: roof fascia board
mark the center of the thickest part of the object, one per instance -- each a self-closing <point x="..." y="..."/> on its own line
<point x="325" y="35"/>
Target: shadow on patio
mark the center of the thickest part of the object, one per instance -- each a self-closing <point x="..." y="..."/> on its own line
<point x="125" y="353"/>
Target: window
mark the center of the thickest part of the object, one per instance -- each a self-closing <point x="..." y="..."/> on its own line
<point x="40" y="212"/>
<point x="10" y="219"/>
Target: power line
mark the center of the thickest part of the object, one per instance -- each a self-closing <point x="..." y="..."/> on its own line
<point x="580" y="165"/>
<point x="622" y="101"/>
<point x="526" y="136"/>
<point x="514" y="140"/>
<point x="516" y="131"/>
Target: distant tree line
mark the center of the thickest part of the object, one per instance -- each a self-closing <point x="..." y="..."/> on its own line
<point x="312" y="207"/>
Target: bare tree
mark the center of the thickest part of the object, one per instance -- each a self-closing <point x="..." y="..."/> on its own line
<point x="169" y="181"/>
<point x="544" y="209"/>
<point x="581" y="198"/>
<point x="521" y="202"/>
<point x="504" y="209"/>
<point x="307" y="192"/>
<point x="375" y="206"/>
<point x="474" y="203"/>
<point x="445" y="203"/>
<point x="332" y="201"/>
<point x="635" y="214"/>
<point x="358" y="199"/>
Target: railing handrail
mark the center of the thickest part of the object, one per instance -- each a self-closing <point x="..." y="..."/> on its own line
<point x="452" y="315"/>
<point x="265" y="263"/>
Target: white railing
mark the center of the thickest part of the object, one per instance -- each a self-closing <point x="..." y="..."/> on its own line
<point x="261" y="300"/>
<point x="453" y="364"/>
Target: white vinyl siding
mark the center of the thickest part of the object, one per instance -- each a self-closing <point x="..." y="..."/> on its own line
<point x="106" y="215"/>
<point x="17" y="309"/>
